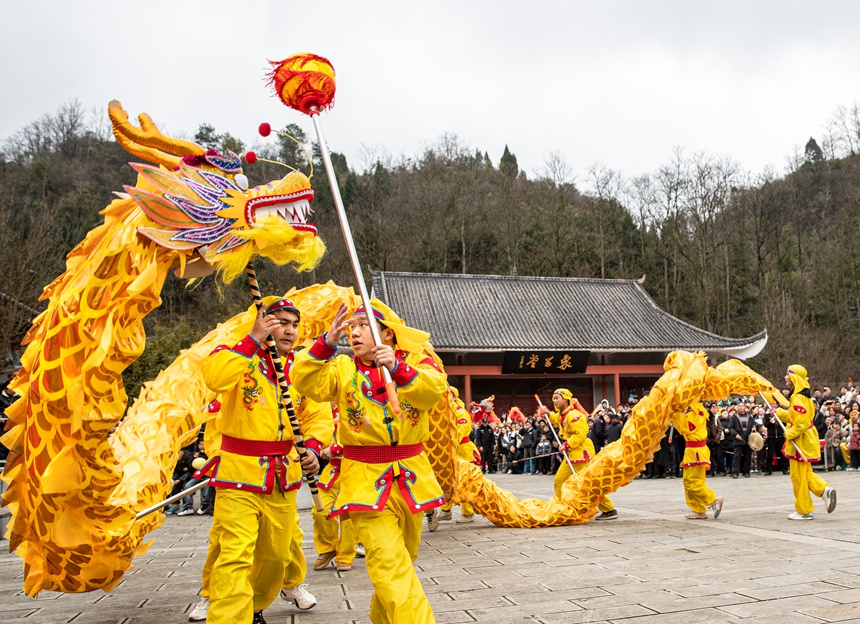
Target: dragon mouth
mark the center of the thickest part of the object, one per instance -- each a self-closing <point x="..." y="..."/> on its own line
<point x="294" y="208"/>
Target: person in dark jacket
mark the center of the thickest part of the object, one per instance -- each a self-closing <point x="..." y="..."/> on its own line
<point x="740" y="427"/>
<point x="529" y="438"/>
<point x="613" y="429"/>
<point x="715" y="435"/>
<point x="597" y="433"/>
<point x="485" y="439"/>
<point x="773" y="444"/>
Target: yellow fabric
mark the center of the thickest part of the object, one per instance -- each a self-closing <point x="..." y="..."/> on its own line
<point x="846" y="453"/>
<point x="391" y="538"/>
<point x="573" y="429"/>
<point x="294" y="575"/>
<point x="408" y="338"/>
<point x="564" y="473"/>
<point x="361" y="424"/>
<point x="696" y="491"/>
<point x="256" y="532"/>
<point x="337" y="535"/>
<point x="693" y="425"/>
<point x="799" y="432"/>
<point x="212" y="553"/>
<point x="804" y="481"/>
<point x="249" y="409"/>
<point x="297" y="567"/>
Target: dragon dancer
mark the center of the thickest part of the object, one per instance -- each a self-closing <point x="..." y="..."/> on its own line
<point x="693" y="425"/>
<point x="570" y="418"/>
<point x="255" y="509"/>
<point x="802" y="446"/>
<point x="386" y="481"/>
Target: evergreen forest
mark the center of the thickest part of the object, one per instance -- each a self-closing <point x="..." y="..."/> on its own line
<point x="724" y="249"/>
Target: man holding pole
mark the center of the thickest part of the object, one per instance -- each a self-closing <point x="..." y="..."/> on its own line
<point x="255" y="509"/>
<point x="571" y="420"/>
<point x="802" y="446"/>
<point x="386" y="482"/>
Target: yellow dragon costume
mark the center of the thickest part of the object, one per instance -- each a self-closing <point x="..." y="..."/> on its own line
<point x="75" y="487"/>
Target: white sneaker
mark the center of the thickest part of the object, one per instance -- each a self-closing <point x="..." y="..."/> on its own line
<point x="359" y="550"/>
<point x="299" y="595"/>
<point x="465" y="519"/>
<point x="200" y="610"/>
<point x="186" y="512"/>
<point x="797" y="516"/>
<point x="444" y="516"/>
<point x="829" y="497"/>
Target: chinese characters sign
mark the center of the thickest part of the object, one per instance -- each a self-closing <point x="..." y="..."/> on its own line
<point x="542" y="362"/>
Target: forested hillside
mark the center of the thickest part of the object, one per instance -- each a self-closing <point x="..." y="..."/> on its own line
<point x="720" y="248"/>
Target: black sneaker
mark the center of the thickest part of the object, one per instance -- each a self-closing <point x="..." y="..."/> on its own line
<point x="258" y="618"/>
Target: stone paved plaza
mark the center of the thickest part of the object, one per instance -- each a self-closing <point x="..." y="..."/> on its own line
<point x="651" y="565"/>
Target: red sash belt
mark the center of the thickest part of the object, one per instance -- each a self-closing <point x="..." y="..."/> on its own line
<point x="465" y="440"/>
<point x="382" y="454"/>
<point x="255" y="448"/>
<point x="697" y="443"/>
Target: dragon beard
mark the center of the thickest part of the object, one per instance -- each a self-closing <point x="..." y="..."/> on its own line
<point x="277" y="240"/>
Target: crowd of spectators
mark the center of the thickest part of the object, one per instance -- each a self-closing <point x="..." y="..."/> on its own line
<point x="521" y="444"/>
<point x="744" y="437"/>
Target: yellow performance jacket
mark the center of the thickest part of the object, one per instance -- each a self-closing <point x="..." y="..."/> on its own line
<point x="263" y="459"/>
<point x="800" y="434"/>
<point x="694" y="427"/>
<point x="572" y="425"/>
<point x="379" y="447"/>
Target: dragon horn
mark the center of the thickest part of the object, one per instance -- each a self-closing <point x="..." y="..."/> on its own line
<point x="148" y="142"/>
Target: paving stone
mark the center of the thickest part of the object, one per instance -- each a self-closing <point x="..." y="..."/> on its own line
<point x="835" y="613"/>
<point x="751" y="566"/>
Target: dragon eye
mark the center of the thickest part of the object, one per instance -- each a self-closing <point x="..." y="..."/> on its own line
<point x="241" y="181"/>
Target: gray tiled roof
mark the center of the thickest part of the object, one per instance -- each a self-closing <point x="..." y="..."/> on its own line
<point x="499" y="312"/>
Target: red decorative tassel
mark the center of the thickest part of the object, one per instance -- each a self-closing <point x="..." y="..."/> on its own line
<point x="304" y="82"/>
<point x="265" y="129"/>
<point x="250" y="158"/>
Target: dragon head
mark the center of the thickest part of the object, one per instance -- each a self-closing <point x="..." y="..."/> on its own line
<point x="198" y="201"/>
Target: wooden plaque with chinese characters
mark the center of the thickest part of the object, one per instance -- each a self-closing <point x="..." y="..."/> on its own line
<point x="544" y="362"/>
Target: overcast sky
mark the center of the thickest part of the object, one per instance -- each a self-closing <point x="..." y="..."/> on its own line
<point x="620" y="83"/>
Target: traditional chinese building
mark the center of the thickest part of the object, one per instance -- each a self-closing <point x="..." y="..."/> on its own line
<point x="514" y="337"/>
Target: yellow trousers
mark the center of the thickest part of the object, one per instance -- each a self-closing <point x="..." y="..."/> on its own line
<point x="465" y="508"/>
<point x="804" y="481"/>
<point x="391" y="538"/>
<point x="294" y="575"/>
<point x="846" y="454"/>
<point x="255" y="533"/>
<point x="335" y="535"/>
<point x="696" y="490"/>
<point x="297" y="567"/>
<point x="564" y="473"/>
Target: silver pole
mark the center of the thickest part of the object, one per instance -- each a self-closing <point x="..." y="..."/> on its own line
<point x="172" y="499"/>
<point x="350" y="244"/>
